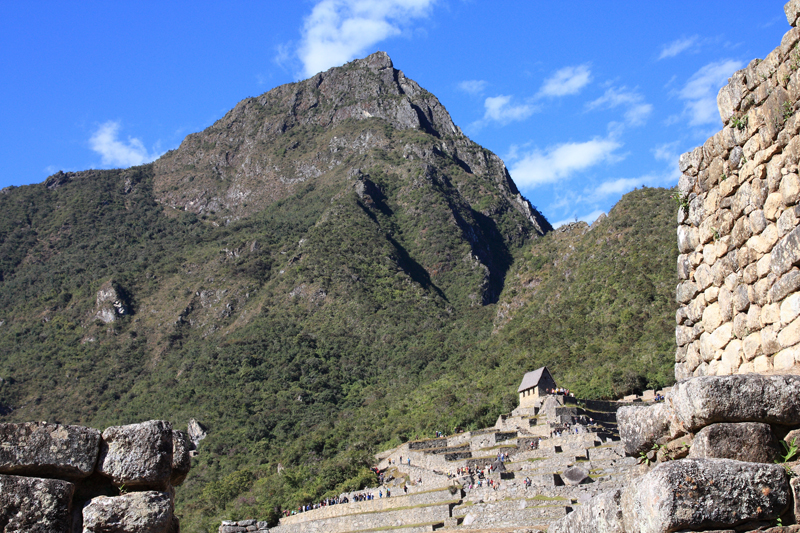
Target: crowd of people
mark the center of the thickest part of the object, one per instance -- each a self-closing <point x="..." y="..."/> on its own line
<point x="359" y="497"/>
<point x="562" y="391"/>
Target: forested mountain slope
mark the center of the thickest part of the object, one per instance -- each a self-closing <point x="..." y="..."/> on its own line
<point x="330" y="268"/>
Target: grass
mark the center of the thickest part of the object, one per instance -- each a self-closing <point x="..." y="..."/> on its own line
<point x="543" y="498"/>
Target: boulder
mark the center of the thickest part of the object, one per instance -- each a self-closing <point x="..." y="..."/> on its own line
<point x="574" y="475"/>
<point x="40" y="449"/>
<point x="641" y="427"/>
<point x="135" y="512"/>
<point x="35" y="505"/>
<point x="704" y="400"/>
<point x="697" y="494"/>
<point x="747" y="441"/>
<point x="137" y="455"/>
<point x="181" y="460"/>
<point x="602" y="514"/>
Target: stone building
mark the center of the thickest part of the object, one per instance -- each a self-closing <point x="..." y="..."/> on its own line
<point x="534" y="385"/>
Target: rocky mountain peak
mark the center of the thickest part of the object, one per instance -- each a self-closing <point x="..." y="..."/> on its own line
<point x="269" y="147"/>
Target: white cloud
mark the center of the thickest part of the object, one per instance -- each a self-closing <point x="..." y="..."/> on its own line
<point x="561" y="161"/>
<point x="501" y="109"/>
<point x="667" y="152"/>
<point x="568" y="80"/>
<point x="637" y="109"/>
<point x="118" y="153"/>
<point x="473" y="86"/>
<point x="676" y="47"/>
<point x="700" y="92"/>
<point x="337" y="31"/>
<point x="619" y="186"/>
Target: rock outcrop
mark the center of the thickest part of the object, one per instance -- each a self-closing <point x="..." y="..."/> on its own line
<point x="71" y="478"/>
<point x="110" y="303"/>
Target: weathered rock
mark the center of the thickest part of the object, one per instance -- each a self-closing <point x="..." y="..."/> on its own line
<point x="137" y="455"/>
<point x="696" y="494"/>
<point x="675" y="449"/>
<point x="704" y="400"/>
<point x="747" y="441"/>
<point x="602" y="514"/>
<point x="48" y="450"/>
<point x="786" y="253"/>
<point x="641" y="427"/>
<point x="196" y="432"/>
<point x="574" y="475"/>
<point x="35" y="505"/>
<point x="181" y="460"/>
<point x="110" y="303"/>
<point x="135" y="512"/>
<point x="795" y="485"/>
<point x="792" y="10"/>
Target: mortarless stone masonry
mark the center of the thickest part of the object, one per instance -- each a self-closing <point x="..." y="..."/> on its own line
<point x="738" y="234"/>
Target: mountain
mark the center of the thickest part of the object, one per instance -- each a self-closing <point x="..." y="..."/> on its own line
<point x="330" y="268"/>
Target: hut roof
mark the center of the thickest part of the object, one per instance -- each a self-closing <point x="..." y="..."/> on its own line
<point x="531" y="379"/>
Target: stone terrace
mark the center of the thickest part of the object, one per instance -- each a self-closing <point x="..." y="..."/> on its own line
<point x="427" y="495"/>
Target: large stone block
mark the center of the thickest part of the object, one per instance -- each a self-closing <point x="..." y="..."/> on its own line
<point x="792" y="10"/>
<point x="687" y="239"/>
<point x="181" y="459"/>
<point x="602" y="514"/>
<point x="574" y="475"/>
<point x="641" y="427"/>
<point x="686" y="291"/>
<point x="135" y="512"/>
<point x="34" y="505"/>
<point x="51" y="450"/>
<point x="752" y="442"/>
<point x="696" y="494"/>
<point x="787" y="284"/>
<point x="786" y="252"/>
<point x="137" y="455"/>
<point x="790" y="308"/>
<point x="790" y="335"/>
<point x="701" y="401"/>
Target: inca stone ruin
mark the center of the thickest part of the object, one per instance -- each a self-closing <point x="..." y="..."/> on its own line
<point x="738" y="233"/>
<point x="62" y="479"/>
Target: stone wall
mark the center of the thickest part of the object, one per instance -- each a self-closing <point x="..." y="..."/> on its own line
<point x="738" y="234"/>
<point x="74" y="479"/>
<point x="377" y="505"/>
<point x="708" y="458"/>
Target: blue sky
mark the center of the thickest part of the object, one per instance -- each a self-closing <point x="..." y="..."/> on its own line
<point x="583" y="100"/>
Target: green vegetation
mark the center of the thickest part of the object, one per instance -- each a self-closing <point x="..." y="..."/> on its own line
<point x="327" y="323"/>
